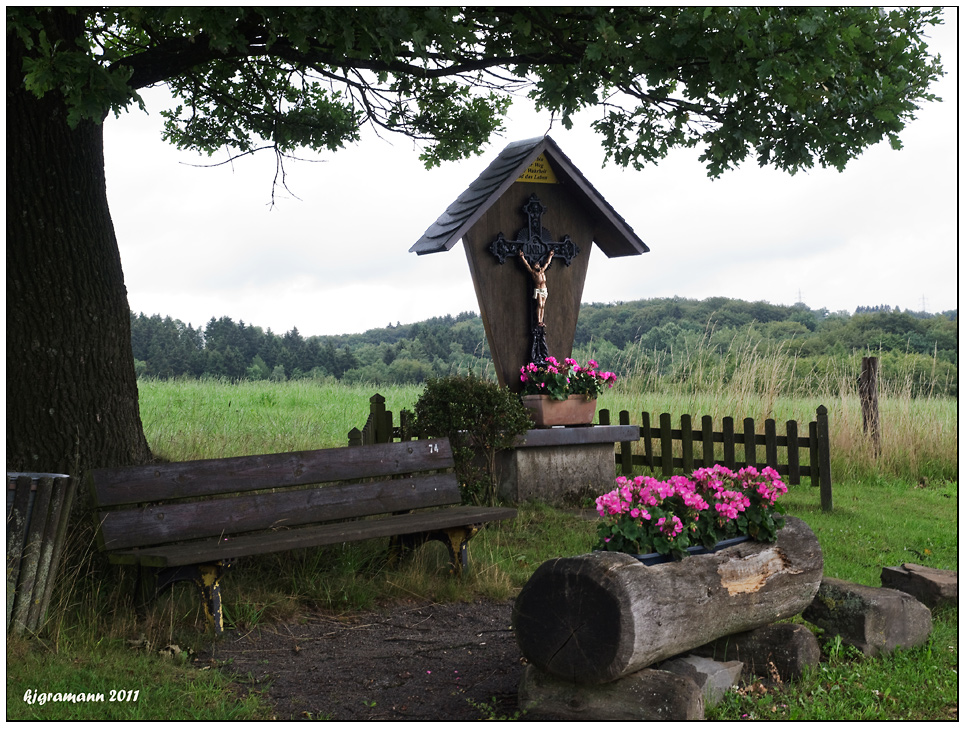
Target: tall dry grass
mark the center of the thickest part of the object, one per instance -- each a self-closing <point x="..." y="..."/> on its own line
<point x="919" y="435"/>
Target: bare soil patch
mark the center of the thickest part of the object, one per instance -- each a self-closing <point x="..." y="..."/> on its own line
<point x="408" y="662"/>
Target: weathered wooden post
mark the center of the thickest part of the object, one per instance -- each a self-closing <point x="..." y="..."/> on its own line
<point x="869" y="396"/>
<point x="824" y="451"/>
<point x="38" y="511"/>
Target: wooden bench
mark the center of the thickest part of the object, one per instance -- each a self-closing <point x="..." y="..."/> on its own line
<point x="188" y="521"/>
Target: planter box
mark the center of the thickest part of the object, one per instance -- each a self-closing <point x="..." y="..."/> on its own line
<point x="547" y="412"/>
<point x="597" y="617"/>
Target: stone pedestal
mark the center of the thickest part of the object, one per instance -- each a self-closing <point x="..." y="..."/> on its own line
<point x="562" y="466"/>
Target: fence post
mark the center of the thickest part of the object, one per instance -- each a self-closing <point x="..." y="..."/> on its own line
<point x="771" y="444"/>
<point x="794" y="467"/>
<point x="813" y="453"/>
<point x="667" y="458"/>
<point x="728" y="436"/>
<point x="646" y="435"/>
<point x="377" y="415"/>
<point x="627" y="459"/>
<point x="824" y="458"/>
<point x="751" y="453"/>
<point x="603" y="416"/>
<point x="355" y="437"/>
<point x="405" y="425"/>
<point x="707" y="441"/>
<point x="869" y="396"/>
<point x="687" y="444"/>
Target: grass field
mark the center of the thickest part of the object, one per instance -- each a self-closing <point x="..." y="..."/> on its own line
<point x="899" y="508"/>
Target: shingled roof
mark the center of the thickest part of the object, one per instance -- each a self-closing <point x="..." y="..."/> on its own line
<point x="613" y="235"/>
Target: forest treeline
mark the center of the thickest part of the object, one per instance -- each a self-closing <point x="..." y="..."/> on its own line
<point x="917" y="351"/>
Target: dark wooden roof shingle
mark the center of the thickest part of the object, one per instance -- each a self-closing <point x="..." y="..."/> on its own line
<point x="613" y="235"/>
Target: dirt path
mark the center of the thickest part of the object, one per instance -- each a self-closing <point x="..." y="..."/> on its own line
<point x="408" y="662"/>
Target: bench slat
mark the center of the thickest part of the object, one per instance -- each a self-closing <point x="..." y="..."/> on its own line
<point x="212" y="550"/>
<point x="163" y="523"/>
<point x="162" y="482"/>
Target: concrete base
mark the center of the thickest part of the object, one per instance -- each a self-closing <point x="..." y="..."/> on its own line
<point x="562" y="466"/>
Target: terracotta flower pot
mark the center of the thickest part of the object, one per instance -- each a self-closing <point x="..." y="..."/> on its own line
<point x="547" y="412"/>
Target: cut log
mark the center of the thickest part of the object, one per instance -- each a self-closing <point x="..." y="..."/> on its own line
<point x="596" y="617"/>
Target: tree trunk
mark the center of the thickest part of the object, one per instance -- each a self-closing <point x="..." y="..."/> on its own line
<point x="597" y="617"/>
<point x="72" y="397"/>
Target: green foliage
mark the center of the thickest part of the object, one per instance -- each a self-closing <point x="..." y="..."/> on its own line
<point x="559" y="381"/>
<point x="794" y="87"/>
<point x="479" y="418"/>
<point x="644" y="515"/>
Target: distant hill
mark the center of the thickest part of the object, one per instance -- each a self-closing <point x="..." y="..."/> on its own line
<point x="611" y="333"/>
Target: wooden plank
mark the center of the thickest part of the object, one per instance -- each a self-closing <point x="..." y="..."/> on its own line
<point x="627" y="462"/>
<point x="539" y="437"/>
<point x="707" y="441"/>
<point x="824" y="459"/>
<point x="813" y="453"/>
<point x="311" y="536"/>
<point x="771" y="443"/>
<point x="46" y="567"/>
<point x="794" y="470"/>
<point x="687" y="444"/>
<point x="667" y="462"/>
<point x="17" y="535"/>
<point x="728" y="432"/>
<point x="163" y="523"/>
<point x="30" y="560"/>
<point x="162" y="482"/>
<point x="751" y="457"/>
<point x="647" y="435"/>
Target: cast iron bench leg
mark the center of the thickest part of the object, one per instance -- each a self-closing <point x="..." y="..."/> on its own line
<point x="455" y="539"/>
<point x="206" y="577"/>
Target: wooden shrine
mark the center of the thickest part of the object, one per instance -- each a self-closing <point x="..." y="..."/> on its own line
<point x="528" y="224"/>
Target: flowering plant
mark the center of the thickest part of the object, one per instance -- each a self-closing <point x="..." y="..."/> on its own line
<point x="561" y="380"/>
<point x="644" y="515"/>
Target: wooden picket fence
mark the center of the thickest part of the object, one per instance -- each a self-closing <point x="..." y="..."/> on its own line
<point x="379" y="427"/>
<point x="698" y="446"/>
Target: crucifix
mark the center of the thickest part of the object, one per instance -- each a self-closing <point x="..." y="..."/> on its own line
<point x="535" y="248"/>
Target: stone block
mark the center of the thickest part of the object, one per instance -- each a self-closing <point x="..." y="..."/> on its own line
<point x="648" y="695"/>
<point x="929" y="586"/>
<point x="714" y="678"/>
<point x="559" y="476"/>
<point x="873" y="619"/>
<point x="785" y="648"/>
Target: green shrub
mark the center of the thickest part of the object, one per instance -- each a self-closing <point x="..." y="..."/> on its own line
<point x="480" y="418"/>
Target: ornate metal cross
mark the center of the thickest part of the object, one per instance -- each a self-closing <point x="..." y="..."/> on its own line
<point x="534" y="240"/>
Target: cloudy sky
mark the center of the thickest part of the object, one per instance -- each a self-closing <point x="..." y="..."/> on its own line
<point x="200" y="243"/>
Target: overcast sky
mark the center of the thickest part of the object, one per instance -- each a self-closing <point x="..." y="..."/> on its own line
<point x="202" y="243"/>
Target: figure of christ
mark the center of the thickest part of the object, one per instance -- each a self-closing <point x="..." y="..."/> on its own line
<point x="539" y="274"/>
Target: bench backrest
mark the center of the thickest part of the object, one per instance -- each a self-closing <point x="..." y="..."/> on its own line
<point x="146" y="505"/>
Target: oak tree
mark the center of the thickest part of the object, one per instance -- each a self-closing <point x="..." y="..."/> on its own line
<point x="791" y="87"/>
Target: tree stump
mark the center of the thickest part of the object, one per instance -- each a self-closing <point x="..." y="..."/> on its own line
<point x="596" y="617"/>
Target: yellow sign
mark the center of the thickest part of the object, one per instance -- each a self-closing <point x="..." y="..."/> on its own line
<point x="539" y="171"/>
